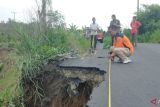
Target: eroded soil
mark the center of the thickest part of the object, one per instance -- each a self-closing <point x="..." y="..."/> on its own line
<point x="59" y="86"/>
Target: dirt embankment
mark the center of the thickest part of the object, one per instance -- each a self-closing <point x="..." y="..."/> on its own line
<point x="59" y="86"/>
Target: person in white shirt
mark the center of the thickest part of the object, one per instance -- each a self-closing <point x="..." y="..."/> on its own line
<point x="93" y="33"/>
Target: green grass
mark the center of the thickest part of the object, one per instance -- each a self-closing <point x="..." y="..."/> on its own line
<point x="155" y="37"/>
<point x="9" y="81"/>
<point x="78" y="43"/>
<point x="84" y="44"/>
<point x="144" y="38"/>
<point x="33" y="50"/>
<point x="39" y="48"/>
<point x="107" y="41"/>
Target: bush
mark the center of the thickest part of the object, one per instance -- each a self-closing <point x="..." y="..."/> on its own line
<point x="127" y="32"/>
<point x="144" y="38"/>
<point x="155" y="37"/>
<point x="107" y="41"/>
<point x="34" y="49"/>
<point x="149" y="16"/>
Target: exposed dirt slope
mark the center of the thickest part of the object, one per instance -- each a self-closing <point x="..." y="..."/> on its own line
<point x="61" y="87"/>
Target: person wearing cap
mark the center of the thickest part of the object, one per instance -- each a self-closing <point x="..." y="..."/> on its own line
<point x="135" y="24"/>
<point x="94" y="27"/>
<point x="115" y="23"/>
<point x="122" y="47"/>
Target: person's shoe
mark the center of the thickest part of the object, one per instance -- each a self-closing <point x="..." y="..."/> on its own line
<point x="126" y="61"/>
<point x="92" y="51"/>
<point x="135" y="45"/>
<point x="119" y="61"/>
<point x="95" y="51"/>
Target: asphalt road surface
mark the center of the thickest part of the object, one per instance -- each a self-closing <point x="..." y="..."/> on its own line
<point x="132" y="85"/>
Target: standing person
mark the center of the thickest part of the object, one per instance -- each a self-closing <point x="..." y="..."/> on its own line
<point x="134" y="29"/>
<point x="122" y="47"/>
<point x="115" y="23"/>
<point x="93" y="34"/>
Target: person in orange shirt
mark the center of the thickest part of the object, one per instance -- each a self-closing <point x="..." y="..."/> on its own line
<point x="135" y="24"/>
<point x="122" y="47"/>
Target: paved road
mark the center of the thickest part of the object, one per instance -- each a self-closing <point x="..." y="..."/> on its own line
<point x="132" y="85"/>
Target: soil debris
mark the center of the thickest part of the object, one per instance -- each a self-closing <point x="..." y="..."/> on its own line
<point x="59" y="86"/>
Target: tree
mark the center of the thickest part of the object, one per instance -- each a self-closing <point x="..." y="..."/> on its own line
<point x="149" y="16"/>
<point x="54" y="18"/>
<point x="47" y="17"/>
<point x="73" y="28"/>
<point x="43" y="7"/>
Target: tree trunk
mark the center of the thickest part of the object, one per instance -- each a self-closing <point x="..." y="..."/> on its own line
<point x="42" y="17"/>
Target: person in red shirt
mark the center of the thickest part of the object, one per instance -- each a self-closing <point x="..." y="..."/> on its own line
<point x="134" y="29"/>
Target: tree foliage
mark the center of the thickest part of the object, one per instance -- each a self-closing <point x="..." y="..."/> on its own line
<point x="149" y="16"/>
<point x="55" y="19"/>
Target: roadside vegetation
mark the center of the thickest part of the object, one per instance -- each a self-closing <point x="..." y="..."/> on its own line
<point x="25" y="47"/>
<point x="107" y="40"/>
<point x="149" y="32"/>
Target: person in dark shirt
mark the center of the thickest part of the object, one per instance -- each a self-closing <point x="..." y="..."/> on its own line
<point x="115" y="23"/>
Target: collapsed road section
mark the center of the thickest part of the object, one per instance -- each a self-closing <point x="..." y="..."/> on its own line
<point x="61" y="86"/>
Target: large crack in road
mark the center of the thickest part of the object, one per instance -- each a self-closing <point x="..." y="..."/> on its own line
<point x="61" y="86"/>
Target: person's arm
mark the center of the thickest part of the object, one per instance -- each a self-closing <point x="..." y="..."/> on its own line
<point x="111" y="23"/>
<point x="90" y="26"/>
<point x="117" y="42"/>
<point x="139" y="24"/>
<point x="119" y="24"/>
<point x="111" y="54"/>
<point x="90" y="29"/>
<point x="131" y="24"/>
<point x="128" y="44"/>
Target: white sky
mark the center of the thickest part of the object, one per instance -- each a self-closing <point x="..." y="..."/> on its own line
<point x="78" y="12"/>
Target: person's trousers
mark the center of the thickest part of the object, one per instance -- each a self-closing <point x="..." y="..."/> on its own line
<point x="93" y="40"/>
<point x="134" y="39"/>
<point x="123" y="53"/>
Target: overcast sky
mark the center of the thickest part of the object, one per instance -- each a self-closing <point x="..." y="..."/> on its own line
<point x="78" y="12"/>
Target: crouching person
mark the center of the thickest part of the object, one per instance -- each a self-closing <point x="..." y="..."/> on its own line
<point x="122" y="47"/>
